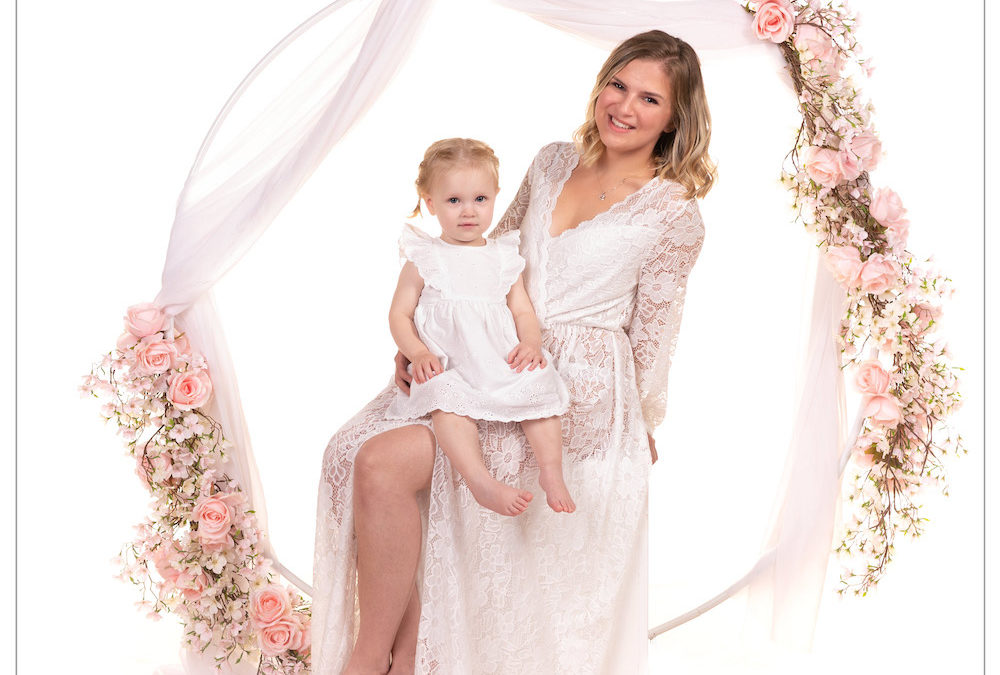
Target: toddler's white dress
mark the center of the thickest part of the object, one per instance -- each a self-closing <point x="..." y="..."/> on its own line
<point x="463" y="318"/>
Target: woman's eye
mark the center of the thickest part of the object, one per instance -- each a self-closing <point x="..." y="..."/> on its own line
<point x="650" y="99"/>
<point x="618" y="85"/>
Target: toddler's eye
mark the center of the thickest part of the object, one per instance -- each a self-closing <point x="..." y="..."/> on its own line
<point x="452" y="200"/>
<point x="481" y="198"/>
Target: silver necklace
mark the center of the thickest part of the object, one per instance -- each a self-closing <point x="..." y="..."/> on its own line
<point x="604" y="193"/>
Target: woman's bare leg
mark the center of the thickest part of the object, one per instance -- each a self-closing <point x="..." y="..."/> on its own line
<point x="389" y="471"/>
<point x="458" y="437"/>
<point x="404" y="649"/>
<point x="545" y="438"/>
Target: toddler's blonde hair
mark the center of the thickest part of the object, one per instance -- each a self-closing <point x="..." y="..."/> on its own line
<point x="448" y="154"/>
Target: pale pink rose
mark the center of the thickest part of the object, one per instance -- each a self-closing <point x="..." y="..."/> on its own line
<point x="868" y="149"/>
<point x="162" y="557"/>
<point x="126" y="341"/>
<point x="214" y="517"/>
<point x="845" y="261"/>
<point x="886" y="207"/>
<point x="269" y="604"/>
<point x="157" y="356"/>
<point x="280" y="636"/>
<point x="182" y="345"/>
<point x="872" y="378"/>
<point x="878" y="274"/>
<point x="823" y="165"/>
<point x="896" y="233"/>
<point x="883" y="409"/>
<point x="192" y="586"/>
<point x="850" y="167"/>
<point x="190" y="389"/>
<point x="813" y="43"/>
<point x="774" y="20"/>
<point x="144" y="319"/>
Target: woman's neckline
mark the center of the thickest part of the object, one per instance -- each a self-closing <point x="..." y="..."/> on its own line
<point x="562" y="184"/>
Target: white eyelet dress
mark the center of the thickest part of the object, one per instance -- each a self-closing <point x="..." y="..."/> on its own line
<point x="463" y="318"/>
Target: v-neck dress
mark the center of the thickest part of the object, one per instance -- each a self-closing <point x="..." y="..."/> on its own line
<point x="542" y="592"/>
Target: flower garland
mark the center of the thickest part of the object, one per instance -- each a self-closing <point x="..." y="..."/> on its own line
<point x="893" y="304"/>
<point x="200" y="537"/>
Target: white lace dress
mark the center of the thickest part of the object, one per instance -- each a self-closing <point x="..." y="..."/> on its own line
<point x="542" y="593"/>
<point x="462" y="317"/>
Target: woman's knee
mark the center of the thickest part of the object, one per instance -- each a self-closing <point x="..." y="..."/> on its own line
<point x="399" y="461"/>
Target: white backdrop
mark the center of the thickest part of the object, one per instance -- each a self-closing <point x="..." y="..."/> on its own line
<point x="115" y="98"/>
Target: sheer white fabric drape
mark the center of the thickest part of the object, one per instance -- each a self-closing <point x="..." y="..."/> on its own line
<point x="301" y="99"/>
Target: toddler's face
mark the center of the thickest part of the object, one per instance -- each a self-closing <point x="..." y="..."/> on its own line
<point x="463" y="198"/>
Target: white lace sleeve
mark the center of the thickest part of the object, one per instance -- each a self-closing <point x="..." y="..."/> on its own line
<point x="515" y="212"/>
<point x="656" y="316"/>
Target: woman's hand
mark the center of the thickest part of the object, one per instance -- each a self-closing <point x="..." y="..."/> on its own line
<point x="526" y="355"/>
<point x="403" y="377"/>
<point x="652" y="448"/>
<point x="425" y="366"/>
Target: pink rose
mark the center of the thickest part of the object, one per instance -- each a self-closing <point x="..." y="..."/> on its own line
<point x="162" y="557"/>
<point x="214" y="517"/>
<point x="144" y="319"/>
<point x="192" y="586"/>
<point x="270" y="604"/>
<point x="872" y="378"/>
<point x="823" y="165"/>
<point x="182" y="345"/>
<point x="878" y="274"/>
<point x="813" y="43"/>
<point x="883" y="409"/>
<point x="156" y="356"/>
<point x="868" y="148"/>
<point x="845" y="261"/>
<point x="850" y="168"/>
<point x="190" y="389"/>
<point x="126" y="341"/>
<point x="896" y="234"/>
<point x="774" y="20"/>
<point x="886" y="207"/>
<point x="281" y="636"/>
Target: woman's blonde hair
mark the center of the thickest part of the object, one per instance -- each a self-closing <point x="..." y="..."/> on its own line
<point x="449" y="153"/>
<point x="680" y="154"/>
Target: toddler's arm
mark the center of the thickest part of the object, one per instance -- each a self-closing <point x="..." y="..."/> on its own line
<point x="404" y="332"/>
<point x="528" y="352"/>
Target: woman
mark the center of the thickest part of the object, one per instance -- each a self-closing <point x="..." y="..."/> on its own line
<point x="610" y="230"/>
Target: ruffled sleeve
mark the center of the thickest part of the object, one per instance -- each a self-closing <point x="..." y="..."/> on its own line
<point x="418" y="247"/>
<point x="656" y="316"/>
<point x="508" y="247"/>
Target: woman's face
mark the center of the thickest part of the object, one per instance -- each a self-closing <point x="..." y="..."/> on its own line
<point x="635" y="108"/>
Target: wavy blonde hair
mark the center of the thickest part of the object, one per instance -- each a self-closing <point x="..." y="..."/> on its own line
<point x="681" y="154"/>
<point x="449" y="153"/>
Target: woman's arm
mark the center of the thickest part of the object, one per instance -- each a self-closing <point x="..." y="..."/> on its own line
<point x="404" y="332"/>
<point x="659" y="303"/>
<point x="528" y="352"/>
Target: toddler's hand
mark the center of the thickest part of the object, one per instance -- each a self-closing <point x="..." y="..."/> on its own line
<point x="526" y="355"/>
<point x="425" y="366"/>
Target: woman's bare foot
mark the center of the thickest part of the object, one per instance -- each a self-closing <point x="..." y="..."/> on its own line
<point x="556" y="493"/>
<point x="494" y="495"/>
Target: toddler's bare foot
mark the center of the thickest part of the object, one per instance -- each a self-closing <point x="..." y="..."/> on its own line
<point x="556" y="492"/>
<point x="504" y="499"/>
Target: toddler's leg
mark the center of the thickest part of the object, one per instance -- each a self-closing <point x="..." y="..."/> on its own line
<point x="459" y="438"/>
<point x="545" y="437"/>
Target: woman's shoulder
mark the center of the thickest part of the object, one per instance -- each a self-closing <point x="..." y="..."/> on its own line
<point x="551" y="152"/>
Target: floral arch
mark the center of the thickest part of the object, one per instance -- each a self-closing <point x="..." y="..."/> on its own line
<point x="171" y="389"/>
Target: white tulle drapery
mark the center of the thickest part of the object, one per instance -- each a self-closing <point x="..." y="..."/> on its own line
<point x="301" y="99"/>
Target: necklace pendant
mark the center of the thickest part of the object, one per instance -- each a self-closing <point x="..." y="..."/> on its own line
<point x="603" y="195"/>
